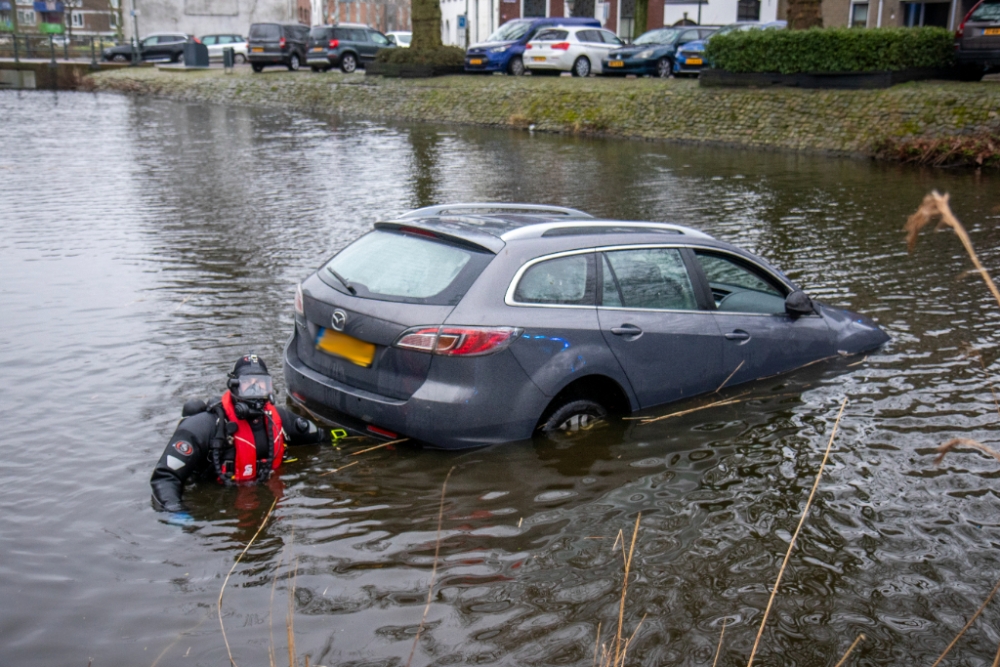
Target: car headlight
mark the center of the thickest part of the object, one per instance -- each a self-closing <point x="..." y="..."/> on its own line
<point x="499" y="49"/>
<point x="648" y="53"/>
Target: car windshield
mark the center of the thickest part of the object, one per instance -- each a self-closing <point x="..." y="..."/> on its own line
<point x="400" y="266"/>
<point x="265" y="31"/>
<point x="732" y="27"/>
<point x="661" y="36"/>
<point x="988" y="11"/>
<point x="509" y="32"/>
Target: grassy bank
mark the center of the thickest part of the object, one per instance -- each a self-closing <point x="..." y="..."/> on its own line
<point x="841" y="121"/>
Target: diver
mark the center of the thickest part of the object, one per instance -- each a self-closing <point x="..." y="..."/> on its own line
<point x="239" y="440"/>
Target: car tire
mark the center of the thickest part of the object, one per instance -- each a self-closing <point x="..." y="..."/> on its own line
<point x="971" y="73"/>
<point x="257" y="68"/>
<point x="120" y="58"/>
<point x="348" y="63"/>
<point x="317" y="70"/>
<point x="573" y="416"/>
<point x="294" y="63"/>
<point x="664" y="68"/>
<point x="516" y="66"/>
<point x="177" y="57"/>
<point x="239" y="59"/>
<point x="581" y="67"/>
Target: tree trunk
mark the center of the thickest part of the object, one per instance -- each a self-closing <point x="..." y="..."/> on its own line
<point x="426" y="19"/>
<point x="641" y="17"/>
<point x="805" y="14"/>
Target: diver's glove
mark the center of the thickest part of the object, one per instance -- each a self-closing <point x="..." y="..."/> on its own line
<point x="180" y="519"/>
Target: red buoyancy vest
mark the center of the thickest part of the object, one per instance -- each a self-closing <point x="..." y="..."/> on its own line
<point x="246" y="447"/>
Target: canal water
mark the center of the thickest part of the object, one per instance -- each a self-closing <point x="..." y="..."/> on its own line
<point x="145" y="244"/>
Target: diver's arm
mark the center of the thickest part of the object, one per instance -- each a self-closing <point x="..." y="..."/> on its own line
<point x="302" y="431"/>
<point x="184" y="455"/>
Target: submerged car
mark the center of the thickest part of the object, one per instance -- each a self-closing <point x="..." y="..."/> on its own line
<point x="652" y="52"/>
<point x="474" y="324"/>
<point x="977" y="41"/>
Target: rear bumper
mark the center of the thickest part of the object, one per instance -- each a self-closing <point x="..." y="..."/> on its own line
<point x="462" y="403"/>
<point x="637" y="67"/>
<point x="984" y="57"/>
<point x="269" y="58"/>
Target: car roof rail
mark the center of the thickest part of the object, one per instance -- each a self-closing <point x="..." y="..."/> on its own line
<point x="429" y="211"/>
<point x="599" y="227"/>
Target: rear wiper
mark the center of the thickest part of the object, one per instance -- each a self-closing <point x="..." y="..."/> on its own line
<point x="349" y="286"/>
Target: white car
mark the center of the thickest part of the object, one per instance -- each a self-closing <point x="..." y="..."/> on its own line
<point x="400" y="38"/>
<point x="217" y="43"/>
<point x="569" y="49"/>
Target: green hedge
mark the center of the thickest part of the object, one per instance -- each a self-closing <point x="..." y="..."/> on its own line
<point x="442" y="56"/>
<point x="831" y="50"/>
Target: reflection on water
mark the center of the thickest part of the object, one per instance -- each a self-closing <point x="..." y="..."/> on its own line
<point x="146" y="244"/>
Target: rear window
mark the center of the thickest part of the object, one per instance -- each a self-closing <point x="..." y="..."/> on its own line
<point x="398" y="266"/>
<point x="319" y="33"/>
<point x="567" y="281"/>
<point x="270" y="31"/>
<point x="988" y="11"/>
<point x="551" y="36"/>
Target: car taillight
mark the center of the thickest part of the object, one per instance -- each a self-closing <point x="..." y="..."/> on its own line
<point x="282" y="43"/>
<point x="334" y="43"/>
<point x="961" y="26"/>
<point x="196" y="40"/>
<point x="457" y="341"/>
<point x="299" y="308"/>
<point x="561" y="46"/>
<point x="528" y="46"/>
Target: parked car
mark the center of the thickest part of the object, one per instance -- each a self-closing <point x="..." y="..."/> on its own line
<point x="345" y="45"/>
<point x="690" y="57"/>
<point x="166" y="47"/>
<point x="400" y="38"/>
<point x="977" y="41"/>
<point x="277" y="44"/>
<point x="576" y="50"/>
<point x="218" y="43"/>
<point x="653" y="52"/>
<point x="503" y="50"/>
<point x="474" y="324"/>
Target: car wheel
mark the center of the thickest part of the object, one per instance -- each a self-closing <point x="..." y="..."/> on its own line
<point x="120" y="58"/>
<point x="258" y="68"/>
<point x="664" y="68"/>
<point x="294" y="63"/>
<point x="317" y="70"/>
<point x="572" y="417"/>
<point x="581" y="67"/>
<point x="177" y="58"/>
<point x="239" y="58"/>
<point x="348" y="63"/>
<point x="516" y="66"/>
<point x="971" y="73"/>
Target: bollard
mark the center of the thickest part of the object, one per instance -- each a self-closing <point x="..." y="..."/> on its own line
<point x="93" y="54"/>
<point x="27" y="47"/>
<point x="52" y="51"/>
<point x="228" y="56"/>
<point x="17" y="57"/>
<point x="65" y="48"/>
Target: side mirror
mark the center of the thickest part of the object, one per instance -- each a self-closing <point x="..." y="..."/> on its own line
<point x="799" y="303"/>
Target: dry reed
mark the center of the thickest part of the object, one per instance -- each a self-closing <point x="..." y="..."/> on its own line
<point x="967" y="625"/>
<point x="617" y="659"/>
<point x="437" y="551"/>
<point x="730" y="376"/>
<point x="798" y="529"/>
<point x="330" y="472"/>
<point x="718" y="649"/>
<point x="860" y="638"/>
<point x="384" y="444"/>
<point x="290" y="619"/>
<point x="956" y="442"/>
<point x="226" y="581"/>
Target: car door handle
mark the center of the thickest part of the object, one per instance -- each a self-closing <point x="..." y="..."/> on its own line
<point x="738" y="334"/>
<point x="626" y="330"/>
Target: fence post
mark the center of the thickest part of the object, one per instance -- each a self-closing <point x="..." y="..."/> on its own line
<point x="17" y="57"/>
<point x="52" y="51"/>
<point x="93" y="54"/>
<point x="66" y="47"/>
<point x="27" y="47"/>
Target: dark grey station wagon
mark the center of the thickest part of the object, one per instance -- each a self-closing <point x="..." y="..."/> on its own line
<point x="475" y="324"/>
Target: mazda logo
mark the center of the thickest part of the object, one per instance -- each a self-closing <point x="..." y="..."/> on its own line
<point x="338" y="320"/>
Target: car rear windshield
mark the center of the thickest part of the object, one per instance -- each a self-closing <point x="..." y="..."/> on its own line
<point x="319" y="33"/>
<point x="269" y="31"/>
<point x="551" y="36"/>
<point x="392" y="265"/>
<point x="988" y="11"/>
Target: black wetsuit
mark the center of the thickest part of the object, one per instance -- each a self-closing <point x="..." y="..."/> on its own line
<point x="188" y="454"/>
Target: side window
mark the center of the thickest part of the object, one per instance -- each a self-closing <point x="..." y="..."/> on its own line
<point x="209" y="40"/>
<point x="379" y="38"/>
<point x="341" y="33"/>
<point x="150" y="41"/>
<point x="739" y="287"/>
<point x="609" y="290"/>
<point x="358" y="36"/>
<point x="654" y="278"/>
<point x="564" y="281"/>
<point x="611" y="38"/>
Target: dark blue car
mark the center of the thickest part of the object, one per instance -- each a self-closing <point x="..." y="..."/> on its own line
<point x="475" y="324"/>
<point x="502" y="51"/>
<point x="652" y="53"/>
<point x="690" y="57"/>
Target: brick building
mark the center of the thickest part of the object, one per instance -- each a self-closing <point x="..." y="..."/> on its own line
<point x="378" y="14"/>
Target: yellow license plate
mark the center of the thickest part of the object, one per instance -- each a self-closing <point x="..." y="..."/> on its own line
<point x="347" y="347"/>
<point x="991" y="31"/>
<point x="257" y="49"/>
<point x="475" y="61"/>
<point x="317" y="48"/>
<point x="694" y="61"/>
<point x="616" y="63"/>
<point x="538" y="59"/>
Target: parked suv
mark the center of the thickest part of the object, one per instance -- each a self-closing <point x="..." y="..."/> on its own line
<point x="277" y="44"/>
<point x="503" y="50"/>
<point x="475" y="324"/>
<point x="345" y="45"/>
<point x="977" y="41"/>
<point x="166" y="47"/>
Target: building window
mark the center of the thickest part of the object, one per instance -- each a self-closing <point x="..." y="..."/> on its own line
<point x="26" y="17"/>
<point x="114" y="19"/>
<point x="748" y="10"/>
<point x="925" y="13"/>
<point x="859" y="15"/>
<point x="77" y="20"/>
<point x="115" y="4"/>
<point x="534" y="8"/>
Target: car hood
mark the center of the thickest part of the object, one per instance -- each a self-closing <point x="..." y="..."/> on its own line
<point x="484" y="46"/>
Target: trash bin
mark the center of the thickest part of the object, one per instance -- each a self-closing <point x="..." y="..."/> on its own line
<point x="195" y="55"/>
<point x="228" y="56"/>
